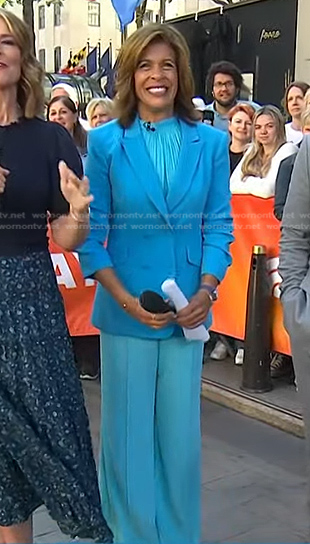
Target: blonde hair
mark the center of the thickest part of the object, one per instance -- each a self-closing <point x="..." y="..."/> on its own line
<point x="127" y="63"/>
<point x="30" y="93"/>
<point x="255" y="162"/>
<point x="307" y="98"/>
<point x="305" y="117"/>
<point x="106" y="103"/>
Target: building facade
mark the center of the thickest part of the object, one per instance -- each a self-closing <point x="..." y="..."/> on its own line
<point x="61" y="29"/>
<point x="65" y="29"/>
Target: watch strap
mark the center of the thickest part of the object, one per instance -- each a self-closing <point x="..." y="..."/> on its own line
<point x="211" y="290"/>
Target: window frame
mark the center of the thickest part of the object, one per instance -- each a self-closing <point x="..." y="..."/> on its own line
<point x="57" y="14"/>
<point x="41" y="17"/>
<point x="43" y="64"/>
<point x="148" y="16"/>
<point x="92" y="15"/>
<point x="57" y="57"/>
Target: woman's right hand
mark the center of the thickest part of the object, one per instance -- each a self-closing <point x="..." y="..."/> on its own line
<point x="155" y="321"/>
<point x="3" y="175"/>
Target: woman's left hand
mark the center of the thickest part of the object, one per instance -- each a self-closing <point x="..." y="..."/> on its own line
<point x="196" y="312"/>
<point x="75" y="191"/>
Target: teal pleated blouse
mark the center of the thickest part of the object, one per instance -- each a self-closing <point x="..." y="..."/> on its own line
<point x="163" y="145"/>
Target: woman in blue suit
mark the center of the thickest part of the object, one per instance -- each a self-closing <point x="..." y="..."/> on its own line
<point x="160" y="182"/>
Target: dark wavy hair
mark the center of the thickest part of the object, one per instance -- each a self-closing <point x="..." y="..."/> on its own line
<point x="127" y="63"/>
<point x="224" y="67"/>
<point x="79" y="134"/>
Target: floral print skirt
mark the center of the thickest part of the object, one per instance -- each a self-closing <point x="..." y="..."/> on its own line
<point x="45" y="445"/>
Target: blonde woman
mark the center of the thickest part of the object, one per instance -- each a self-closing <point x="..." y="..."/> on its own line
<point x="100" y="111"/>
<point x="45" y="446"/>
<point x="256" y="173"/>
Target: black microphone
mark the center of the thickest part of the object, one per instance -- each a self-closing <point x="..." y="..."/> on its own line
<point x="148" y="126"/>
<point x="208" y="117"/>
<point x="154" y="303"/>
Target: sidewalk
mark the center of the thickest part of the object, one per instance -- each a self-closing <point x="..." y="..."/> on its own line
<point x="280" y="407"/>
<point x="253" y="486"/>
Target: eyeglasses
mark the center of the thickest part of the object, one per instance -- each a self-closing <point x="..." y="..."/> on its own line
<point x="226" y="84"/>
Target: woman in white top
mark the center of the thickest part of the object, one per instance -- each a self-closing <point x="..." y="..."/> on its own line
<point x="256" y="173"/>
<point x="294" y="102"/>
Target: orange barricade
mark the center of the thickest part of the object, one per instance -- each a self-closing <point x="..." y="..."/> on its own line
<point x="254" y="223"/>
<point x="78" y="293"/>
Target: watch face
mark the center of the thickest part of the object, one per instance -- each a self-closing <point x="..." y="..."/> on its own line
<point x="214" y="295"/>
<point x="212" y="292"/>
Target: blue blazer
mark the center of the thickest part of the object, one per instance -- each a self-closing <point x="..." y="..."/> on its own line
<point x="150" y="239"/>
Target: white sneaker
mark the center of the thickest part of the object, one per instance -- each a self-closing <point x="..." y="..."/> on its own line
<point x="219" y="352"/>
<point x="239" y="356"/>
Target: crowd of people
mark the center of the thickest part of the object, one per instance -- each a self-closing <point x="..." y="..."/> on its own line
<point x="159" y="157"/>
<point x="262" y="149"/>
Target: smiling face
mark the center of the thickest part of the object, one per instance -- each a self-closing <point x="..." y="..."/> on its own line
<point x="10" y="58"/>
<point x="156" y="82"/>
<point x="59" y="113"/>
<point x="295" y="102"/>
<point x="100" y="116"/>
<point x="265" y="130"/>
<point x="240" y="127"/>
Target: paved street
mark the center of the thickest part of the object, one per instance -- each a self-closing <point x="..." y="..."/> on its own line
<point x="253" y="486"/>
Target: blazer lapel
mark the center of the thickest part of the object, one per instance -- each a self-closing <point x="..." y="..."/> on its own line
<point x="140" y="161"/>
<point x="191" y="147"/>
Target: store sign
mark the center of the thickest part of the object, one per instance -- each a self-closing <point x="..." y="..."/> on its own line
<point x="269" y="35"/>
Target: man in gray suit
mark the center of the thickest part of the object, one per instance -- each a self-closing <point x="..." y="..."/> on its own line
<point x="295" y="271"/>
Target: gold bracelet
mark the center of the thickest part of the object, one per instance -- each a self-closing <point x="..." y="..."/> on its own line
<point x="125" y="305"/>
<point x="76" y="218"/>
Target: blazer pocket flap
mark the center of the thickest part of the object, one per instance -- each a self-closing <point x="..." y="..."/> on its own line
<point x="194" y="255"/>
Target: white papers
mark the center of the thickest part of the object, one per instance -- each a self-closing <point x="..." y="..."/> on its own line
<point x="172" y="290"/>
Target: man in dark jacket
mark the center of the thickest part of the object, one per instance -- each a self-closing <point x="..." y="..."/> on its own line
<point x="282" y="185"/>
<point x="285" y="172"/>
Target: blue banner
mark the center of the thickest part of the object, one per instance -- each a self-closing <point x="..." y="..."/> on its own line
<point x="125" y="10"/>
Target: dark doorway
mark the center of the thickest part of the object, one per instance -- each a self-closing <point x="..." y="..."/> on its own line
<point x="263" y="44"/>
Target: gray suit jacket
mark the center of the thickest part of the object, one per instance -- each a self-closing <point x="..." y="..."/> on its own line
<point x="295" y="239"/>
<point x="295" y="271"/>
